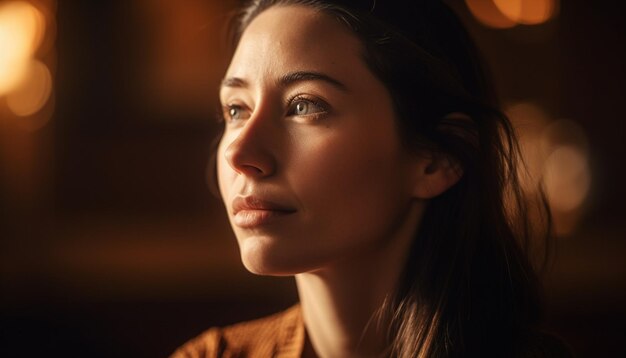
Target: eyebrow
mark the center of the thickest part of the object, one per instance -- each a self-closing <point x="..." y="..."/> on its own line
<point x="289" y="79"/>
<point x="301" y="76"/>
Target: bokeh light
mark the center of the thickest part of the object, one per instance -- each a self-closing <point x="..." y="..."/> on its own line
<point x="33" y="92"/>
<point x="567" y="175"/>
<point x="554" y="158"/>
<point x="566" y="178"/>
<point x="22" y="28"/>
<point x="488" y="14"/>
<point x="527" y="12"/>
<point x="503" y="14"/>
<point x="529" y="121"/>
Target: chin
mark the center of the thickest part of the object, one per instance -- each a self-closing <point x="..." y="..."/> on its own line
<point x="262" y="256"/>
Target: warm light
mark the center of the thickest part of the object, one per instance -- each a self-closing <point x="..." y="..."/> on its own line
<point x="529" y="121"/>
<point x="487" y="13"/>
<point x="567" y="173"/>
<point x="567" y="178"/>
<point x="527" y="12"/>
<point x="555" y="159"/>
<point x="22" y="29"/>
<point x="33" y="92"/>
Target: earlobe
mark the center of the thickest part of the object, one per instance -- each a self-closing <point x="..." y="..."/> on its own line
<point x="434" y="175"/>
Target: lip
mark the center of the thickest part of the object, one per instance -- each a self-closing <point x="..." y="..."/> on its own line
<point x="252" y="211"/>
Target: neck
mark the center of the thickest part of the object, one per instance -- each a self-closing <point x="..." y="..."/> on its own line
<point x="340" y="302"/>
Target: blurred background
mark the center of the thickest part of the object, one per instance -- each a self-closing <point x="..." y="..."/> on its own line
<point x="112" y="245"/>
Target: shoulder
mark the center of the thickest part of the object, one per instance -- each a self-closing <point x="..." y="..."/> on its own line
<point x="261" y="337"/>
<point x="266" y="333"/>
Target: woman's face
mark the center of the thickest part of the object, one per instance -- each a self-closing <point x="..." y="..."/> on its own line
<point x="310" y="166"/>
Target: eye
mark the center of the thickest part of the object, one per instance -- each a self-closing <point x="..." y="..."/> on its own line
<point x="306" y="107"/>
<point x="235" y="112"/>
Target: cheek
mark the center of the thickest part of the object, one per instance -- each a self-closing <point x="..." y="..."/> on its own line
<point x="353" y="184"/>
<point x="225" y="173"/>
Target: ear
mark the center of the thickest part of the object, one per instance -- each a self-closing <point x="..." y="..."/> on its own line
<point x="434" y="174"/>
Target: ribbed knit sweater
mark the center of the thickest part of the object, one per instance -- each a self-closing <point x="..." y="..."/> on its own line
<point x="278" y="336"/>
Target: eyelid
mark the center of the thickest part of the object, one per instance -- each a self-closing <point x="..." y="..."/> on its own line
<point x="320" y="104"/>
<point x="323" y="105"/>
<point x="233" y="97"/>
<point x="235" y="105"/>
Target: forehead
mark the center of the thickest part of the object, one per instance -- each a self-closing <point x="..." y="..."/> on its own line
<point x="291" y="38"/>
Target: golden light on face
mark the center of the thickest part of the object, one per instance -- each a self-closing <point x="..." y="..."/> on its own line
<point x="310" y="166"/>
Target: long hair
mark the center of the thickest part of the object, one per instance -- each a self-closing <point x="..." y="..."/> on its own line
<point x="468" y="287"/>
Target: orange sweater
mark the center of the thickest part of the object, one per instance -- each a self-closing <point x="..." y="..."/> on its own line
<point x="280" y="335"/>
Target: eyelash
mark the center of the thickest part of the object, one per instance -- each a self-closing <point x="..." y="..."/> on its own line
<point x="312" y="100"/>
<point x="224" y="114"/>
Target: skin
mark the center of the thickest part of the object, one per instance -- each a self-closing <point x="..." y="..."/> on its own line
<point x="346" y="196"/>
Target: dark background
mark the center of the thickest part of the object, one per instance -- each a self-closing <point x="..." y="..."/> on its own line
<point x="112" y="245"/>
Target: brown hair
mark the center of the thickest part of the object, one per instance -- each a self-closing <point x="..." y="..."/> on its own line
<point x="468" y="286"/>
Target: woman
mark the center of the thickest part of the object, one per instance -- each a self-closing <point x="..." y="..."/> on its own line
<point x="362" y="153"/>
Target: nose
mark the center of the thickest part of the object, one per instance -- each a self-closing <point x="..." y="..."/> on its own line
<point x="250" y="152"/>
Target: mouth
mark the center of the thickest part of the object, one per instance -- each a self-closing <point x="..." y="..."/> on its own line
<point x="250" y="211"/>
